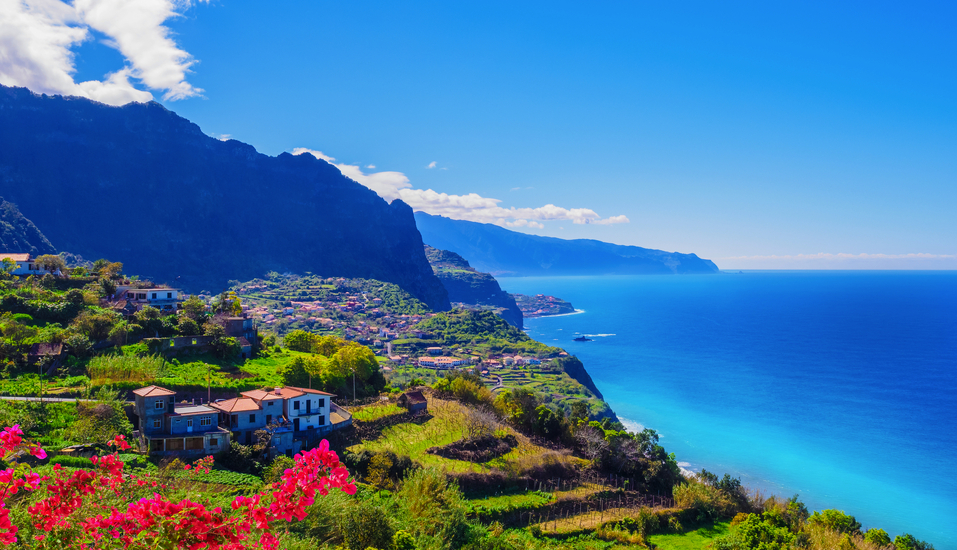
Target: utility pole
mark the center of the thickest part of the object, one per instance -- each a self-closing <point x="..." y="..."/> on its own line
<point x="209" y="394"/>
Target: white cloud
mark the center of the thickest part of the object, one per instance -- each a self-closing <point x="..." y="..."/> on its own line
<point x="473" y="207"/>
<point x="370" y="166"/>
<point x="612" y="220"/>
<point x="37" y="38"/>
<point x="431" y="165"/>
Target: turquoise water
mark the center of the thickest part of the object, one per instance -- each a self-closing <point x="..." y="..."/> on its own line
<point x="838" y="386"/>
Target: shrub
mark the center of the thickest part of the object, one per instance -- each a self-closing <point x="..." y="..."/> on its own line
<point x="433" y="507"/>
<point x="277" y="468"/>
<point x="366" y="526"/>
<point x="836" y="520"/>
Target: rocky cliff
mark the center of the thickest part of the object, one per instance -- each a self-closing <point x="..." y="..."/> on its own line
<point x="142" y="184"/>
<point x="502" y="252"/>
<point x="18" y="234"/>
<point x="472" y="287"/>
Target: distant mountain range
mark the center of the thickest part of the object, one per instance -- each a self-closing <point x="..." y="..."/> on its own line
<point x="472" y="287"/>
<point x="141" y="184"/>
<point x="499" y="251"/>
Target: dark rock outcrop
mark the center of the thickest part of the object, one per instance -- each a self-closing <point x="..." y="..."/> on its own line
<point x="142" y="185"/>
<point x="469" y="286"/>
<point x="18" y="234"/>
<point x="499" y="251"/>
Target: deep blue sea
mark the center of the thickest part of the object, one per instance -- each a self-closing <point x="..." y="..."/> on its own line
<point x="838" y="386"/>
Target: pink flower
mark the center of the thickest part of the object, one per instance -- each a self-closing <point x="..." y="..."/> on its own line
<point x="38" y="452"/>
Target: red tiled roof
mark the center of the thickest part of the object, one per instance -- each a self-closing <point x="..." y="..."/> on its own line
<point x="262" y="395"/>
<point x="309" y="390"/>
<point x="153" y="391"/>
<point x="16" y="257"/>
<point x="237" y="404"/>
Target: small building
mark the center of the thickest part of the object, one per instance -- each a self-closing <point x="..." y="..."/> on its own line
<point x="163" y="299"/>
<point x="414" y="401"/>
<point x="245" y="416"/>
<point x="182" y="428"/>
<point x="45" y="351"/>
<point x="435" y="350"/>
<point x="26" y="264"/>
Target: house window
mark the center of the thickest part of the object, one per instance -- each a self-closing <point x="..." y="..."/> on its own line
<point x="169" y="294"/>
<point x="157" y="423"/>
<point x="205" y="421"/>
<point x="189" y="423"/>
<point x="322" y="402"/>
<point x="160" y="405"/>
<point x="268" y="418"/>
<point x="154" y="295"/>
<point x="295" y="405"/>
<point x="252" y="418"/>
<point x="214" y="442"/>
<point x="271" y="403"/>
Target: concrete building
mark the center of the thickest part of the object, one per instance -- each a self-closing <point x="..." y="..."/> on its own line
<point x="245" y="416"/>
<point x="169" y="427"/>
<point x="163" y="299"/>
<point x="26" y="264"/>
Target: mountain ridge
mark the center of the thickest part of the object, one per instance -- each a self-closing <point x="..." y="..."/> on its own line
<point x="499" y="251"/>
<point x="106" y="181"/>
<point x="470" y="286"/>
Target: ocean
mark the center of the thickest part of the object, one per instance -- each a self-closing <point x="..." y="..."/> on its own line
<point x="840" y="387"/>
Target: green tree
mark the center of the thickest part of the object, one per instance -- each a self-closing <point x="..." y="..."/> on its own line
<point x="151" y="319"/>
<point x="9" y="265"/>
<point x="51" y="263"/>
<point x="836" y="520"/>
<point x="365" y="525"/>
<point x="300" y="340"/>
<point x="102" y="420"/>
<point x="187" y="327"/>
<point x="193" y="308"/>
<point x="223" y="345"/>
<point x="434" y="508"/>
<point x="910" y="542"/>
<point x="877" y="537"/>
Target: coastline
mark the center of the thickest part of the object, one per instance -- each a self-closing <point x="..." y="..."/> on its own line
<point x="576" y="312"/>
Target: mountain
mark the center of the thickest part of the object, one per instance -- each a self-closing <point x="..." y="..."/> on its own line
<point x="502" y="252"/>
<point x="472" y="287"/>
<point x="18" y="234"/>
<point x="143" y="184"/>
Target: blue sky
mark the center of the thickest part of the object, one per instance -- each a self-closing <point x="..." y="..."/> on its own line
<point x="761" y="135"/>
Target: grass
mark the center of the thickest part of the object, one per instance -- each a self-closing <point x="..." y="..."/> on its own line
<point x="375" y="412"/>
<point x="112" y="368"/>
<point x="695" y="539"/>
<point x="447" y="425"/>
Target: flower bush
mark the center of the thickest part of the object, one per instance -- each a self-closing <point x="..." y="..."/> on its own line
<point x="104" y="507"/>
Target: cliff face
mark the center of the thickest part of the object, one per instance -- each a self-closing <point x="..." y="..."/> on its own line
<point x="140" y="183"/>
<point x="18" y="234"/>
<point x="470" y="286"/>
<point x="502" y="252"/>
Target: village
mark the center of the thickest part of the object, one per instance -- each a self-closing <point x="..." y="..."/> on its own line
<point x="254" y="317"/>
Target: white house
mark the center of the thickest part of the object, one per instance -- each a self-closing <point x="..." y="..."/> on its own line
<point x="160" y="298"/>
<point x="26" y="264"/>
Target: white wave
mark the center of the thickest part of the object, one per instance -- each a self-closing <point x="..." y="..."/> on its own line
<point x="576" y="312"/>
<point x="631" y="425"/>
<point x="599" y="335"/>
